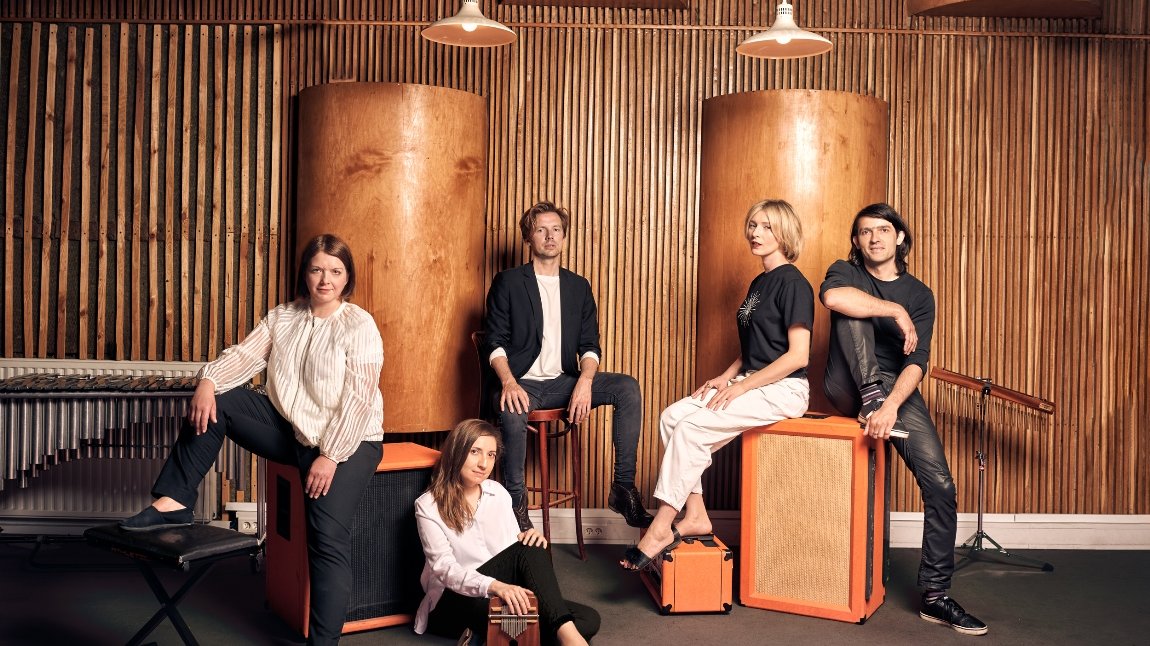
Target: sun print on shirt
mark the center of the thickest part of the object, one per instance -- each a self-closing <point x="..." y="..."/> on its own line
<point x="748" y="308"/>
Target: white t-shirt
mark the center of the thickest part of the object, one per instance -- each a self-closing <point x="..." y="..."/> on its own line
<point x="549" y="363"/>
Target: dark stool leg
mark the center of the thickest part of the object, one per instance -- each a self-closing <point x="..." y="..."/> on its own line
<point x="545" y="479"/>
<point x="168" y="604"/>
<point x="576" y="447"/>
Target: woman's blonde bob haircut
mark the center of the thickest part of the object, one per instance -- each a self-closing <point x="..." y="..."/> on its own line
<point x="785" y="225"/>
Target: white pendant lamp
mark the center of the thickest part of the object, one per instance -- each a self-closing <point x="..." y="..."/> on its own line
<point x="784" y="39"/>
<point x="469" y="28"/>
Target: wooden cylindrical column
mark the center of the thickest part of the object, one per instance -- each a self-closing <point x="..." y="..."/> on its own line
<point x="399" y="172"/>
<point x="826" y="154"/>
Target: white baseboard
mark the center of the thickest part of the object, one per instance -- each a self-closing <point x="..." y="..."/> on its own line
<point x="1037" y="531"/>
<point x="1011" y="531"/>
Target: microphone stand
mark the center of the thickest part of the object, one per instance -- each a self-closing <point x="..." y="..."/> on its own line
<point x="975" y="546"/>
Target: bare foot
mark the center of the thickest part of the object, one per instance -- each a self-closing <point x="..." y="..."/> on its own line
<point x="694" y="526"/>
<point x="166" y="504"/>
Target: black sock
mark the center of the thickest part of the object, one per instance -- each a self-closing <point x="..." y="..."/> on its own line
<point x="930" y="596"/>
<point x="871" y="392"/>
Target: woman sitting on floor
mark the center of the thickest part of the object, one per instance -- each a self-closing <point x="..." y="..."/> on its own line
<point x="475" y="550"/>
<point x="766" y="383"/>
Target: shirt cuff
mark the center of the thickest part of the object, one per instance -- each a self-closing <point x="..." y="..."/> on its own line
<point x="495" y="354"/>
<point x="485" y="587"/>
<point x="589" y="355"/>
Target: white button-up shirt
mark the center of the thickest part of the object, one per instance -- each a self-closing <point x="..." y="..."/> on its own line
<point x="453" y="557"/>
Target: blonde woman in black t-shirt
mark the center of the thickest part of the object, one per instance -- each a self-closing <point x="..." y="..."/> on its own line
<point x="767" y="382"/>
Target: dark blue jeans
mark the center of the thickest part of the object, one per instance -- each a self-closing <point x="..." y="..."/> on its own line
<point x="922" y="451"/>
<point x="251" y="421"/>
<point x="608" y="388"/>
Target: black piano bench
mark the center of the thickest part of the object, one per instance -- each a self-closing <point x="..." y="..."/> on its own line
<point x="194" y="548"/>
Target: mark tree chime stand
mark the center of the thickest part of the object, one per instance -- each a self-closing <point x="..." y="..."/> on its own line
<point x="974" y="546"/>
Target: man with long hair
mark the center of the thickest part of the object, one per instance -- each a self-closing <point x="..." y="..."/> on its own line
<point x="882" y="319"/>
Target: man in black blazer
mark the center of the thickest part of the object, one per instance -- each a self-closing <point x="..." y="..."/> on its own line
<point x="542" y="341"/>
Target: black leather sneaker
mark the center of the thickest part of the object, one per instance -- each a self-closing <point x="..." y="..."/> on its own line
<point x="947" y="612"/>
<point x="152" y="518"/>
<point x="521" y="515"/>
<point x="628" y="502"/>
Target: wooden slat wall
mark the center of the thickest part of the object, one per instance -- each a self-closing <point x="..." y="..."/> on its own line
<point x="1018" y="153"/>
<point x="107" y="184"/>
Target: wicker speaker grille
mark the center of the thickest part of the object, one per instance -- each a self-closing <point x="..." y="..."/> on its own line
<point x="807" y="481"/>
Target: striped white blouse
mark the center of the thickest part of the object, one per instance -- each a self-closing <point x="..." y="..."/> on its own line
<point x="323" y="374"/>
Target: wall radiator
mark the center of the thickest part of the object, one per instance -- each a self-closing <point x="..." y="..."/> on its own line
<point x="68" y="462"/>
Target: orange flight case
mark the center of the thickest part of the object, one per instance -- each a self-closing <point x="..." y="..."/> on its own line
<point x="813" y="519"/>
<point x="695" y="577"/>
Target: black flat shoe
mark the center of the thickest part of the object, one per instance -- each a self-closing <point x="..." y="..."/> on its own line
<point x="628" y="502"/>
<point x="152" y="518"/>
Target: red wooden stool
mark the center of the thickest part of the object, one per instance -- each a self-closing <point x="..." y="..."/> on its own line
<point x="551" y="424"/>
<point x="547" y="424"/>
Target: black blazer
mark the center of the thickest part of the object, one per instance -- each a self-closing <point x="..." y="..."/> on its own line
<point x="515" y="319"/>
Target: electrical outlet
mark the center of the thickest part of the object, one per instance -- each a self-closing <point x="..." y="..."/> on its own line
<point x="593" y="531"/>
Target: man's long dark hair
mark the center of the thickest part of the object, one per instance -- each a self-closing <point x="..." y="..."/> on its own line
<point x="886" y="212"/>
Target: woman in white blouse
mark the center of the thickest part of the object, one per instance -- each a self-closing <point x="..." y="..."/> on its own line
<point x="323" y="413"/>
<point x="475" y="550"/>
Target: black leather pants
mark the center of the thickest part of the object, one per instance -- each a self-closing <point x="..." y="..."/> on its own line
<point x="922" y="451"/>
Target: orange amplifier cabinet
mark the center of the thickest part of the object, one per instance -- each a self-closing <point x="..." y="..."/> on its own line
<point x="813" y="519"/>
<point x="387" y="556"/>
<point x="694" y="577"/>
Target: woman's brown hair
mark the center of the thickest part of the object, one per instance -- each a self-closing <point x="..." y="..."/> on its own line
<point x="332" y="245"/>
<point x="446" y="484"/>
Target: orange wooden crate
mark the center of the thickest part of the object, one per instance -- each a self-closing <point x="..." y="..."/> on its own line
<point x="813" y="519"/>
<point x="288" y="586"/>
<point x="695" y="577"/>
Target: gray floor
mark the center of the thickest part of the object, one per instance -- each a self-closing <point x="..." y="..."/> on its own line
<point x="68" y="594"/>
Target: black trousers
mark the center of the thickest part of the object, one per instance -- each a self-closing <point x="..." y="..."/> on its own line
<point x="922" y="451"/>
<point x="251" y="421"/>
<point x="528" y="567"/>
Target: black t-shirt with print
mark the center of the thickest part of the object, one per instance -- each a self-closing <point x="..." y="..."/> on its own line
<point x="776" y="300"/>
<point x="906" y="290"/>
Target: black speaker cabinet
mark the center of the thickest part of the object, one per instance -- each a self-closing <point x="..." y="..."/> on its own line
<point x="387" y="556"/>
